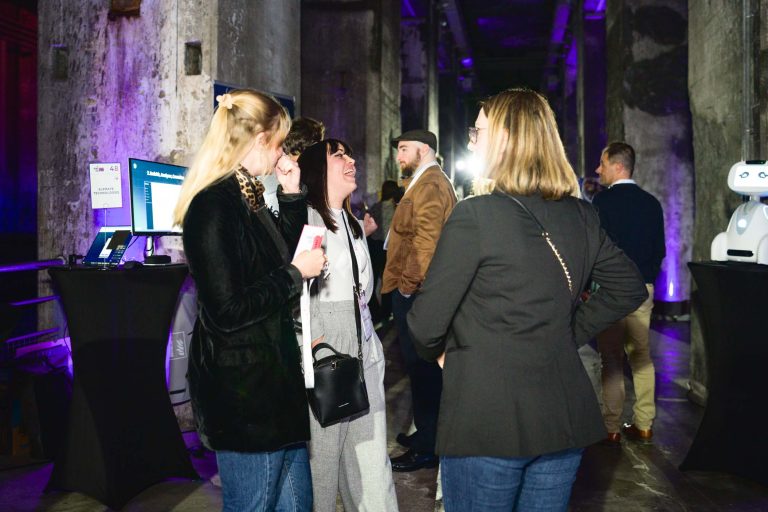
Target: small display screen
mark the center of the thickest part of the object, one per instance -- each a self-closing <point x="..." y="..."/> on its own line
<point x="155" y="190"/>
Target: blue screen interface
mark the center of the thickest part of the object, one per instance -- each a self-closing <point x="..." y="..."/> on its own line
<point x="155" y="190"/>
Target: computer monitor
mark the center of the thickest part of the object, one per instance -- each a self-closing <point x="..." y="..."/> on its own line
<point x="155" y="190"/>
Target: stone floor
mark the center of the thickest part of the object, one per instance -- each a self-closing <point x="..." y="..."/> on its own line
<point x="626" y="479"/>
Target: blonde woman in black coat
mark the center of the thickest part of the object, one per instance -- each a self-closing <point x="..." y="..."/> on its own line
<point x="244" y="372"/>
<point x="506" y="321"/>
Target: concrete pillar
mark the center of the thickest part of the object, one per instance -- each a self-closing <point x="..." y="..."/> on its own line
<point x="114" y="87"/>
<point x="647" y="106"/>
<point x="715" y="84"/>
<point x="259" y="45"/>
<point x="594" y="90"/>
<point x="761" y="71"/>
<point x="351" y="80"/>
<point x="419" y="68"/>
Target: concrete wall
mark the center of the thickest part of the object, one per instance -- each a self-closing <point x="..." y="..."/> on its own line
<point x="259" y="45"/>
<point x="123" y="91"/>
<point x="351" y="80"/>
<point x="419" y="75"/>
<point x="647" y="106"/>
<point x="716" y="92"/>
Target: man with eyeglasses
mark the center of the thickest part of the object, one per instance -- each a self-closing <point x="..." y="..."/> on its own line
<point x="415" y="229"/>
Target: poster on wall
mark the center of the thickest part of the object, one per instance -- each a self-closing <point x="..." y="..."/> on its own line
<point x="106" y="186"/>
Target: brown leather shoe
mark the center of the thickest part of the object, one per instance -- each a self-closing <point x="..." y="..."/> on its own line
<point x="613" y="440"/>
<point x="637" y="434"/>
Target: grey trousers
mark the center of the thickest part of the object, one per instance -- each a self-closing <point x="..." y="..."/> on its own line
<point x="351" y="457"/>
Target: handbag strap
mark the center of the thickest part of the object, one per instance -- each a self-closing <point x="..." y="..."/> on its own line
<point x="545" y="235"/>
<point x="326" y="346"/>
<point x="356" y="288"/>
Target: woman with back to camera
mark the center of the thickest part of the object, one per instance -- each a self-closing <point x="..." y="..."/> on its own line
<point x="506" y="321"/>
<point x="244" y="372"/>
<point x="351" y="456"/>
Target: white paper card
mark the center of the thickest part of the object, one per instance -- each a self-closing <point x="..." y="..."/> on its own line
<point x="311" y="238"/>
<point x="106" y="185"/>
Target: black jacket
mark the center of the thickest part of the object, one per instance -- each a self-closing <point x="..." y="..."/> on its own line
<point x="244" y="368"/>
<point x="497" y="301"/>
<point x="634" y="220"/>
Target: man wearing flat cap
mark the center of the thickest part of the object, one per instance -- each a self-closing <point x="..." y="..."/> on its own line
<point x="416" y="225"/>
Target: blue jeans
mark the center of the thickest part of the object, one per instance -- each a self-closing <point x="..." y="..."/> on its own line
<point x="543" y="483"/>
<point x="266" y="481"/>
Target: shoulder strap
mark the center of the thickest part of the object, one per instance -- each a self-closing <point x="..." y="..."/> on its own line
<point x="547" y="238"/>
<point x="356" y="288"/>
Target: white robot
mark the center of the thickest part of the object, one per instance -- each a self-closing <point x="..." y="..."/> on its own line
<point x="747" y="236"/>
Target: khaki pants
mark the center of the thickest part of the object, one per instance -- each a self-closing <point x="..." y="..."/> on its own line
<point x="629" y="335"/>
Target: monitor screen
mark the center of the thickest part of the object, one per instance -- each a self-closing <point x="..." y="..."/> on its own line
<point x="155" y="189"/>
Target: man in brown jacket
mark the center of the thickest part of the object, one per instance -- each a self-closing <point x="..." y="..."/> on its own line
<point x="428" y="201"/>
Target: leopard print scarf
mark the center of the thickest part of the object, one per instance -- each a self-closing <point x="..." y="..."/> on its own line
<point x="251" y="188"/>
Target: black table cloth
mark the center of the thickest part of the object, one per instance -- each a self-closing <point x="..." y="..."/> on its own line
<point x="122" y="435"/>
<point x="733" y="307"/>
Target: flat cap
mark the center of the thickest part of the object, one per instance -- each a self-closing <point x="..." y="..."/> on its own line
<point x="423" y="136"/>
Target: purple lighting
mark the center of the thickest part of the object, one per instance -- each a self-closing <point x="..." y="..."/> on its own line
<point x="672" y="284"/>
<point x="562" y="13"/>
<point x="408" y="10"/>
<point x="667" y="286"/>
<point x="467" y="62"/>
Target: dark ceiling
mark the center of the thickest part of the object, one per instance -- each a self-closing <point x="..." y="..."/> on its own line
<point x="508" y="41"/>
<point x="498" y="43"/>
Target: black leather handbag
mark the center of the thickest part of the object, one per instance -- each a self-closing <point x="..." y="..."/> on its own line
<point x="340" y="390"/>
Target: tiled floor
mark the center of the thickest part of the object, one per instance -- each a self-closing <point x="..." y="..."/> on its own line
<point x="627" y="479"/>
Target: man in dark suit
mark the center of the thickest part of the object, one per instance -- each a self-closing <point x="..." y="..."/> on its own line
<point x="634" y="220"/>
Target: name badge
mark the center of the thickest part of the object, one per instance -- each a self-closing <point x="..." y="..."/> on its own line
<point x="365" y="315"/>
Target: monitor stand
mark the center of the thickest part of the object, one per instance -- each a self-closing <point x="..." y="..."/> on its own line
<point x="150" y="258"/>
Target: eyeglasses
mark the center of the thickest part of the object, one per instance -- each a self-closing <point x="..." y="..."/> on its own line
<point x="472" y="132"/>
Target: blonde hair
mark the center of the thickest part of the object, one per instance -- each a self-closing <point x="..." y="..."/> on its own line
<point x="241" y="115"/>
<point x="525" y="155"/>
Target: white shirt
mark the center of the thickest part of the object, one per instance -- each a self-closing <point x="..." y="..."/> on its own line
<point x="624" y="180"/>
<point x="419" y="172"/>
<point x="270" y="191"/>
<point x="340" y="281"/>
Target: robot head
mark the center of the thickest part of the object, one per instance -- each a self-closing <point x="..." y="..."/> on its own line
<point x="749" y="178"/>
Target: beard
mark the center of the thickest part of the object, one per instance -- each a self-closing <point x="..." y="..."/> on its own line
<point x="408" y="168"/>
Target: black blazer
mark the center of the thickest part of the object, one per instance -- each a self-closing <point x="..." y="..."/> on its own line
<point x="244" y="367"/>
<point x="496" y="300"/>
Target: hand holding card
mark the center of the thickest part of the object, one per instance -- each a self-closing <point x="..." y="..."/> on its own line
<point x="309" y="257"/>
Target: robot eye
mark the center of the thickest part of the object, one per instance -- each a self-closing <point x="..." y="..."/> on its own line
<point x="745" y="174"/>
<point x="763" y="175"/>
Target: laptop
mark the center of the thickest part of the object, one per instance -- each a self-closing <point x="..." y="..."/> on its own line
<point x="108" y="247"/>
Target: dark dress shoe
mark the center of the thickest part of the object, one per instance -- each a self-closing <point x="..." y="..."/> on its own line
<point x="413" y="460"/>
<point x="404" y="439"/>
<point x="637" y="434"/>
